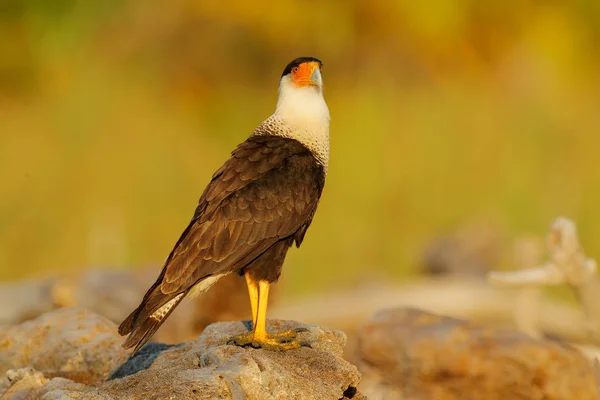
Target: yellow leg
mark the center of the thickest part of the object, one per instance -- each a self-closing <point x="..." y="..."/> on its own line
<point x="258" y="338"/>
<point x="253" y="292"/>
<point x="260" y="327"/>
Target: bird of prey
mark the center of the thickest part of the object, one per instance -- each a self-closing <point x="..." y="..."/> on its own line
<point x="259" y="203"/>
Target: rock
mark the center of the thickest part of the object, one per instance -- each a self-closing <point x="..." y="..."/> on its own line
<point x="206" y="368"/>
<point x="21" y="383"/>
<point x="472" y="250"/>
<point x="412" y="354"/>
<point x="71" y="343"/>
<point x="209" y="368"/>
<point x="142" y="360"/>
<point x="29" y="384"/>
<point x="25" y="299"/>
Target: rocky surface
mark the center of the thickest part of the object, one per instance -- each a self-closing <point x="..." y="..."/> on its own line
<point x="402" y="354"/>
<point x="54" y="357"/>
<point x="69" y="342"/>
<point x="412" y="354"/>
<point x="25" y="299"/>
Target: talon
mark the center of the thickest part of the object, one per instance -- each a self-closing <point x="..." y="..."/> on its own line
<point x="242" y="340"/>
<point x="277" y="342"/>
<point x="259" y="338"/>
<point x="274" y="344"/>
<point x="284" y="339"/>
<point x="292" y="333"/>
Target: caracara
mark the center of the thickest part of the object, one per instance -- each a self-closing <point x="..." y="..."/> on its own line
<point x="260" y="202"/>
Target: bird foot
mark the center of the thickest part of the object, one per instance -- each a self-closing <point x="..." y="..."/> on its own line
<point x="283" y="341"/>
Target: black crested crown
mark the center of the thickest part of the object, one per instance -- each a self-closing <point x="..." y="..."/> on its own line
<point x="298" y="61"/>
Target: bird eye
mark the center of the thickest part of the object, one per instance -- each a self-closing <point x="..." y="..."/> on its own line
<point x="295" y="69"/>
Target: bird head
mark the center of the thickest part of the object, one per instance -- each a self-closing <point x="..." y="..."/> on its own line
<point x="304" y="72"/>
<point x="301" y="94"/>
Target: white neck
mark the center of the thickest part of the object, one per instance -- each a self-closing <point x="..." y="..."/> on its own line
<point x="304" y="106"/>
<point x="301" y="114"/>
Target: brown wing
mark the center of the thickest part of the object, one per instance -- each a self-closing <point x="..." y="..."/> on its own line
<point x="267" y="191"/>
<point x="264" y="193"/>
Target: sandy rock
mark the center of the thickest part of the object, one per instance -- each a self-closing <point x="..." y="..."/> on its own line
<point x="65" y="389"/>
<point x="25" y="299"/>
<point x="21" y="384"/>
<point x="29" y="384"/>
<point x="70" y="342"/>
<point x="412" y="354"/>
<point x="207" y="368"/>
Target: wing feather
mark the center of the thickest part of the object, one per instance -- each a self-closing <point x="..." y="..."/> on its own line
<point x="253" y="216"/>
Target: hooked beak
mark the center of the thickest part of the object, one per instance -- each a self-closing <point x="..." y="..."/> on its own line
<point x="316" y="78"/>
<point x="307" y="74"/>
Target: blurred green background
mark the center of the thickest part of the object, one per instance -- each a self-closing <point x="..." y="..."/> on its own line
<point x="114" y="115"/>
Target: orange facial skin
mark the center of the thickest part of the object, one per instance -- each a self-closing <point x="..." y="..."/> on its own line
<point x="303" y="73"/>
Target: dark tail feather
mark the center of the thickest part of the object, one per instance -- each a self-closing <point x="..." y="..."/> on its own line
<point x="141" y="325"/>
<point x="127" y="326"/>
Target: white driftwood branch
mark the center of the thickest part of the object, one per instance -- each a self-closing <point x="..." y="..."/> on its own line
<point x="547" y="274"/>
<point x="528" y="253"/>
<point x="568" y="265"/>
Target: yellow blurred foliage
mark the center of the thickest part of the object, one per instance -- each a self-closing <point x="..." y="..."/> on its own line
<point x="113" y="116"/>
